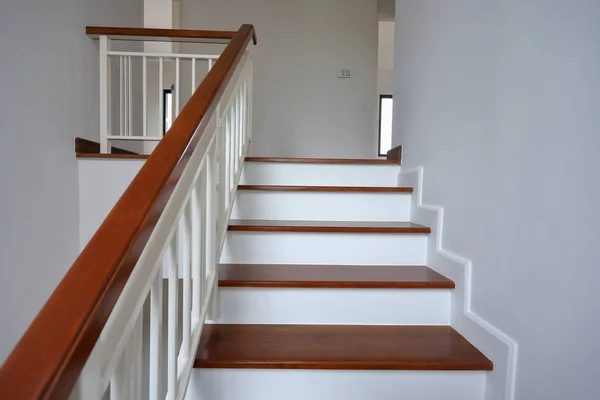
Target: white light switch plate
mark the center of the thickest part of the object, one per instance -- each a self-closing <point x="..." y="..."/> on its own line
<point x="344" y="73"/>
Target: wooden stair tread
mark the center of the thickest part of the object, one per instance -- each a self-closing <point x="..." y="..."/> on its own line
<point x="326" y="226"/>
<point x="332" y="276"/>
<point x="113" y="156"/>
<point x="375" y="161"/>
<point x="358" y="347"/>
<point x="367" y="189"/>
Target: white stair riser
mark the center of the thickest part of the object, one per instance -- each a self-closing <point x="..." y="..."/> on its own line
<point x="335" y="306"/>
<point x="259" y="173"/>
<point x="324" y="248"/>
<point x="320" y="206"/>
<point x="263" y="384"/>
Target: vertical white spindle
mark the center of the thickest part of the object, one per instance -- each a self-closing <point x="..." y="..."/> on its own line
<point x="125" y="94"/>
<point x="161" y="107"/>
<point x="231" y="166"/>
<point x="144" y="100"/>
<point x="193" y="75"/>
<point x="176" y="94"/>
<point x="226" y="141"/>
<point x="211" y="244"/>
<point x="220" y="180"/>
<point x="136" y="359"/>
<point x="197" y="277"/>
<point x="238" y="138"/>
<point x="173" y="300"/>
<point x="129" y="99"/>
<point x="121" y="96"/>
<point x="119" y="383"/>
<point x="104" y="100"/>
<point x="156" y="317"/>
<point x="203" y="221"/>
<point x="250" y="98"/>
<point x="184" y="262"/>
<point x="210" y="63"/>
<point x="235" y="134"/>
<point x="245" y="132"/>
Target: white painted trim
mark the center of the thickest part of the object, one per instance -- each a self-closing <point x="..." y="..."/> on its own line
<point x="302" y="384"/>
<point x="497" y="345"/>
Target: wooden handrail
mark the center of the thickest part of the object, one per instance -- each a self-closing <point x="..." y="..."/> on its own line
<point x="49" y="358"/>
<point x="163" y="35"/>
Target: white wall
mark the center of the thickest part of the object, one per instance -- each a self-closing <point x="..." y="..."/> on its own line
<point x="386" y="10"/>
<point x="301" y="108"/>
<point x="385" y="58"/>
<point x="499" y="102"/>
<point x="101" y="184"/>
<point x="48" y="95"/>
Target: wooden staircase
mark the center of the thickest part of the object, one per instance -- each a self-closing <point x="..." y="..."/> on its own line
<point x="282" y="309"/>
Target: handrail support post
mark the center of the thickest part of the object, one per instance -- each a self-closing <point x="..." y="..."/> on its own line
<point x="104" y="93"/>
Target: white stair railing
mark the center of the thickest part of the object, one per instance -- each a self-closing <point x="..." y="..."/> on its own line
<point x="186" y="245"/>
<point x="104" y="331"/>
<point x="132" y="106"/>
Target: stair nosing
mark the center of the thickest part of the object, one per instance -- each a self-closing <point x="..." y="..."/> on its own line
<point x="335" y="285"/>
<point x="329" y="229"/>
<point x="433" y="280"/>
<point x="348" y="365"/>
<point x="363" y="161"/>
<point x="288" y="346"/>
<point x="314" y="188"/>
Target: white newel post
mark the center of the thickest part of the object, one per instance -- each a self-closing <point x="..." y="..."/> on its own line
<point x="104" y="93"/>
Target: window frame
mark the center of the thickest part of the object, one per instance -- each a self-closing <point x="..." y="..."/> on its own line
<point x="165" y="94"/>
<point x="381" y="97"/>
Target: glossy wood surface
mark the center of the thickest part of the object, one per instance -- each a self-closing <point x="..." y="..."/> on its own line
<point x="86" y="146"/>
<point x="395" y="154"/>
<point x="167" y="35"/>
<point x="113" y="156"/>
<point x="322" y="160"/>
<point x="366" y="189"/>
<point x="337" y="347"/>
<point x="49" y="358"/>
<point x="326" y="226"/>
<point x="332" y="276"/>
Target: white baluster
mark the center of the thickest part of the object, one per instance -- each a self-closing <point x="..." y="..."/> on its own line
<point x="222" y="175"/>
<point x="119" y="383"/>
<point x="136" y="359"/>
<point x="156" y="317"/>
<point x="240" y="127"/>
<point x="193" y="75"/>
<point x="250" y="108"/>
<point x="144" y="100"/>
<point x="121" y="96"/>
<point x="173" y="300"/>
<point x="129" y="99"/>
<point x="210" y="244"/>
<point x="246" y="114"/>
<point x="225" y="151"/>
<point x="104" y="93"/>
<point x="161" y="107"/>
<point x="176" y="94"/>
<point x="236" y="132"/>
<point x="196" y="235"/>
<point x="231" y="164"/>
<point x="184" y="262"/>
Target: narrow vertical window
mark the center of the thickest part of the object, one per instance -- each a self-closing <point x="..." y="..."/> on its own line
<point x="386" y="108"/>
<point x="167" y="110"/>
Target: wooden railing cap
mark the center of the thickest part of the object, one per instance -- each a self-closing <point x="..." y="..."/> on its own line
<point x="163" y="35"/>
